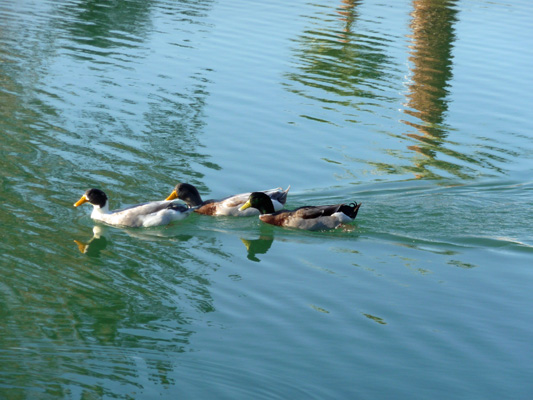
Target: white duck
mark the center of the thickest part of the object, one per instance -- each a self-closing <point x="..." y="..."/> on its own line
<point x="145" y="215"/>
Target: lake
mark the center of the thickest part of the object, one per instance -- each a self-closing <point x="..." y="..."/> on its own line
<point x="418" y="109"/>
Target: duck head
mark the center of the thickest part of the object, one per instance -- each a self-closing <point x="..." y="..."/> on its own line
<point x="186" y="192"/>
<point x="94" y="196"/>
<point x="259" y="201"/>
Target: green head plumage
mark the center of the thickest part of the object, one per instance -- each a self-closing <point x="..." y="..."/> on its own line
<point x="259" y="201"/>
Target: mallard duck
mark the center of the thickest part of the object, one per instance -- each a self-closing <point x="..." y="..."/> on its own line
<point x="228" y="206"/>
<point x="307" y="217"/>
<point x="154" y="213"/>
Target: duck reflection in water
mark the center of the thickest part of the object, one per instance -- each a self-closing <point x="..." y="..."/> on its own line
<point x="97" y="243"/>
<point x="260" y="245"/>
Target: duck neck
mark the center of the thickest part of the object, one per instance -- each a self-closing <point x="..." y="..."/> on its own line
<point x="98" y="211"/>
<point x="194" y="200"/>
<point x="266" y="208"/>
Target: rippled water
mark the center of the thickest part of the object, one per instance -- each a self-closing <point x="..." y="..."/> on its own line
<point x="419" y="109"/>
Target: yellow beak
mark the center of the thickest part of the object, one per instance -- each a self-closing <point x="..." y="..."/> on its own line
<point x="246" y="243"/>
<point x="172" y="196"/>
<point x="245" y="206"/>
<point x="82" y="200"/>
<point x="81" y="246"/>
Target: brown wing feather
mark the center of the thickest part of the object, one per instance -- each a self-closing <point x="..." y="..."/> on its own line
<point x="207" y="209"/>
<point x="279" y="218"/>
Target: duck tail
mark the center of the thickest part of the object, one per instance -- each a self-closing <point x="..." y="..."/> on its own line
<point x="282" y="195"/>
<point x="350" y="209"/>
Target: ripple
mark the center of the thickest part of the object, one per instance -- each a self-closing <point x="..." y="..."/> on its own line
<point x="405" y="109"/>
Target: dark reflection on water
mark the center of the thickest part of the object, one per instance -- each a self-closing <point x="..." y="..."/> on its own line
<point x="261" y="245"/>
<point x="85" y="94"/>
<point x="68" y="318"/>
<point x="257" y="246"/>
<point x="76" y="112"/>
<point x="101" y="23"/>
<point x="338" y="64"/>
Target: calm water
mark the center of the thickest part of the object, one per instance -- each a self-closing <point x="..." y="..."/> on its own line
<point x="419" y="109"/>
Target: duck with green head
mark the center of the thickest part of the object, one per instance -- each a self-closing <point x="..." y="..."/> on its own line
<point x="307" y="217"/>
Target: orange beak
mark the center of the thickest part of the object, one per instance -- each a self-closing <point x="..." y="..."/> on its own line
<point x="172" y="196"/>
<point x="81" y="246"/>
<point x="82" y="200"/>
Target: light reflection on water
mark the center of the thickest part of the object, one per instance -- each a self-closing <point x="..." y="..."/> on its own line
<point x="348" y="68"/>
<point x="351" y="101"/>
<point x="432" y="38"/>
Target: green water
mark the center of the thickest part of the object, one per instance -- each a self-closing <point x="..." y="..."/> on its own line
<point x="419" y="109"/>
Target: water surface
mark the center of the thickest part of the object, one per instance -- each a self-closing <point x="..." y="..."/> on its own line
<point x="417" y="109"/>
